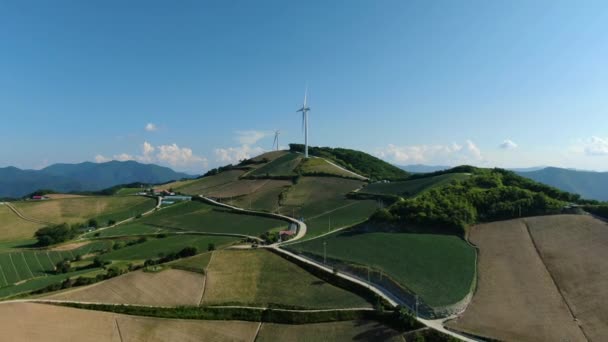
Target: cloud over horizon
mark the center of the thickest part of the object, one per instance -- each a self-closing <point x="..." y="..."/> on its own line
<point x="508" y="144"/>
<point x="451" y="154"/>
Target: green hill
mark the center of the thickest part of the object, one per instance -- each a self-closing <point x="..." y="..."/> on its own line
<point x="356" y="161"/>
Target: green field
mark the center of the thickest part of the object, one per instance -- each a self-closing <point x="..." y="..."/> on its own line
<point x="205" y="184"/>
<point x="41" y="282"/>
<point x="439" y="268"/>
<point x="128" y="229"/>
<point x="155" y="247"/>
<point x="80" y="209"/>
<point x="282" y="166"/>
<point x="313" y="196"/>
<point x="312" y="166"/>
<point x="201" y="217"/>
<point x="261" y="277"/>
<point x="412" y="187"/>
<point x="351" y="213"/>
<point x="19" y="266"/>
<point x="265" y="198"/>
<point x="128" y="191"/>
<point x="197" y="263"/>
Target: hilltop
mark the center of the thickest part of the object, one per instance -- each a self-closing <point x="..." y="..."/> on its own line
<point x="86" y="176"/>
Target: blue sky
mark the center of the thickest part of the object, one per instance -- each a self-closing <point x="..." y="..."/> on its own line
<point x="490" y="83"/>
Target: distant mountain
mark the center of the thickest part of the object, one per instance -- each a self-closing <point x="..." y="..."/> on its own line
<point x="588" y="184"/>
<point x="527" y="169"/>
<point x="86" y="176"/>
<point x="421" y="168"/>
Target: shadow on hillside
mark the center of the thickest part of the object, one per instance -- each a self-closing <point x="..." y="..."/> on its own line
<point x="375" y="332"/>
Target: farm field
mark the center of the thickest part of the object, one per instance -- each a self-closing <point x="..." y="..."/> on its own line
<point x="243" y="187"/>
<point x="163" y="246"/>
<point x="316" y="195"/>
<point x="265" y="198"/>
<point x="573" y="247"/>
<point x="40" y="322"/>
<point x="12" y="227"/>
<point x="439" y="268"/>
<point x="197" y="263"/>
<point x="128" y="229"/>
<point x="79" y="210"/>
<point x="203" y="185"/>
<point x="201" y="217"/>
<point x="166" y="288"/>
<point x="335" y="331"/>
<point x="270" y="156"/>
<point x="351" y="213"/>
<point x="412" y="187"/>
<point x="314" y="166"/>
<point x="281" y="166"/>
<point x="516" y="299"/>
<point x="260" y="277"/>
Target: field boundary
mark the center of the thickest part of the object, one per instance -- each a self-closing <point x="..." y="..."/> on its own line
<point x="559" y="290"/>
<point x="18" y="213"/>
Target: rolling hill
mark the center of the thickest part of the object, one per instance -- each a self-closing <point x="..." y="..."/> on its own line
<point x="86" y="176"/>
<point x="588" y="184"/>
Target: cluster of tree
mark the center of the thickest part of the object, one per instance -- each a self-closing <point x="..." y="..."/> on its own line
<point x="217" y="170"/>
<point x="486" y="196"/>
<point x="184" y="253"/>
<point x="270" y="237"/>
<point x="356" y="161"/>
<point x="82" y="281"/>
<point x="55" y="234"/>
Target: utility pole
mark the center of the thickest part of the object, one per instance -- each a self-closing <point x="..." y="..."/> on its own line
<point x="329" y="229"/>
<point x="416" y="305"/>
<point x="325" y="252"/>
<point x="369" y="282"/>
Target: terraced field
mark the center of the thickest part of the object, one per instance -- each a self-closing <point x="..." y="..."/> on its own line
<point x="261" y="277"/>
<point x="335" y="331"/>
<point x="265" y="198"/>
<point x="129" y="229"/>
<point x="439" y="268"/>
<point x="206" y="184"/>
<point x="281" y="166"/>
<point x="155" y="247"/>
<point x="245" y="187"/>
<point x="351" y="213"/>
<point x="314" y="166"/>
<point x="12" y="227"/>
<point x="80" y="209"/>
<point x="412" y="187"/>
<point x="201" y="217"/>
<point x="166" y="288"/>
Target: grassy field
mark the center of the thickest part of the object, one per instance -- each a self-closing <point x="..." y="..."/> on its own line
<point x="163" y="246"/>
<point x="261" y="277"/>
<point x="38" y="322"/>
<point x="439" y="268"/>
<point x="335" y="331"/>
<point x="12" y="227"/>
<point x="412" y="187"/>
<point x="516" y="299"/>
<point x="573" y="247"/>
<point x="281" y="166"/>
<point x="166" y="288"/>
<point x="206" y="184"/>
<point x="245" y="187"/>
<point x="129" y="229"/>
<point x="197" y="263"/>
<point x="77" y="210"/>
<point x="265" y="198"/>
<point x="313" y="166"/>
<point x="351" y="213"/>
<point x="200" y="217"/>
<point x="128" y="191"/>
<point x="315" y="195"/>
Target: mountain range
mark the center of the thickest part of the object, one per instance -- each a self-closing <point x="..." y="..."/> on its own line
<point x="85" y="176"/>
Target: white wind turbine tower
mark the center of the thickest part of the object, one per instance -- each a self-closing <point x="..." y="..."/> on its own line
<point x="305" y="109"/>
<point x="276" y="139"/>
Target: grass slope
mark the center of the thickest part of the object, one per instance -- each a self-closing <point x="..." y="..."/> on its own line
<point x="12" y="227"/>
<point x="76" y="210"/>
<point x="412" y="187"/>
<point x="205" y="184"/>
<point x="313" y="166"/>
<point x="261" y="277"/>
<point x="439" y="268"/>
<point x="281" y="166"/>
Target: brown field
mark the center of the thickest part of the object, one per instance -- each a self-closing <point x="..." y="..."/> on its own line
<point x="245" y="187"/>
<point x="167" y="288"/>
<point x="206" y="184"/>
<point x="516" y="299"/>
<point x="76" y="210"/>
<point x="39" y="322"/>
<point x="575" y="250"/>
<point x="70" y="246"/>
<point x="335" y="331"/>
<point x="259" y="277"/>
<point x="12" y="227"/>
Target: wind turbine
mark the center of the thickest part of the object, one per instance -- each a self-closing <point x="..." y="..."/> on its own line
<point x="276" y="139"/>
<point x="305" y="109"/>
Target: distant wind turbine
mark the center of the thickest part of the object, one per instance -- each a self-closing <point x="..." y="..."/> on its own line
<point x="276" y="139"/>
<point x="305" y="109"/>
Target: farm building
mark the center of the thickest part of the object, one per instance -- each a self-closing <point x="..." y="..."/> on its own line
<point x="39" y="198"/>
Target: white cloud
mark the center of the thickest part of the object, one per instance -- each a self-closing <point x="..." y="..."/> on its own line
<point x="101" y="159"/>
<point x="451" y="154"/>
<point x="123" y="157"/>
<point x="150" y="127"/>
<point x="596" y="146"/>
<point x="147" y="150"/>
<point x="233" y="155"/>
<point x="508" y="144"/>
<point x="250" y="137"/>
